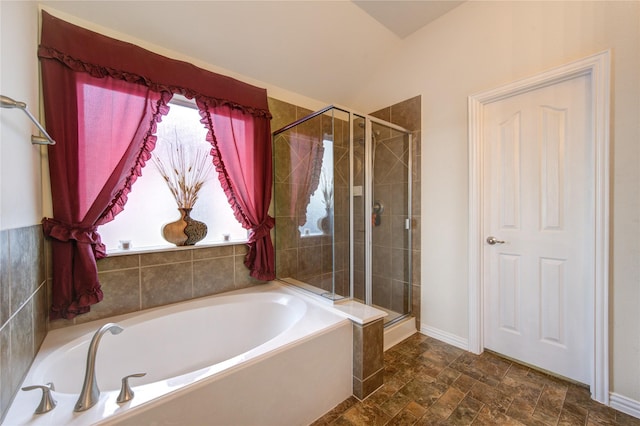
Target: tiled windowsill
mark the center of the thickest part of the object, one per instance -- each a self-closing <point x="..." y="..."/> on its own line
<point x="171" y="247"/>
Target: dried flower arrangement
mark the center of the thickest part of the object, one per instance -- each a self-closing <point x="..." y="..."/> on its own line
<point x="184" y="170"/>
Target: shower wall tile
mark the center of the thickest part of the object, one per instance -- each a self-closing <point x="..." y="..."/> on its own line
<point x="309" y="263"/>
<point x="407" y="113"/>
<point x="286" y="233"/>
<point x="416" y="189"/>
<point x="165" y="284"/>
<point x="287" y="263"/>
<point x="383" y="114"/>
<point x="282" y="113"/>
<point x="282" y="195"/>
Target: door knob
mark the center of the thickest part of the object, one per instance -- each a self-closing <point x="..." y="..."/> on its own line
<point x="493" y="240"/>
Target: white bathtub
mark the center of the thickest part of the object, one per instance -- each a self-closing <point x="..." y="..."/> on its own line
<point x="260" y="356"/>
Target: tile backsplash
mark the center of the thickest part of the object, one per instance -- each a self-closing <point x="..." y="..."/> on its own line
<point x="138" y="281"/>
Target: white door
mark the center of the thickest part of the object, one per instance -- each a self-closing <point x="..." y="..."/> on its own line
<point x="538" y="199"/>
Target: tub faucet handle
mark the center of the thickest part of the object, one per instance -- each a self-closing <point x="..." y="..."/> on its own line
<point x="126" y="393"/>
<point x="47" y="403"/>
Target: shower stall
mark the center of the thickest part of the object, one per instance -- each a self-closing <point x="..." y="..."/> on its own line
<point x="342" y="191"/>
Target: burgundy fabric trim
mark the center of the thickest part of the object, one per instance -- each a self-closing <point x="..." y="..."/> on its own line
<point x="87" y="51"/>
<point x="261" y="230"/>
<point x="65" y="232"/>
<point x="223" y="176"/>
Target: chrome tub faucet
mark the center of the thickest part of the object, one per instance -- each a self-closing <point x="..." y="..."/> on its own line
<point x="90" y="392"/>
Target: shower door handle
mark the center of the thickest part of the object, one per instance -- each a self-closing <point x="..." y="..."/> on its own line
<point x="493" y="240"/>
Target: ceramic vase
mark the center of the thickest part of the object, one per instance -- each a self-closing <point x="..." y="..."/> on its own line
<point x="325" y="223"/>
<point x="185" y="231"/>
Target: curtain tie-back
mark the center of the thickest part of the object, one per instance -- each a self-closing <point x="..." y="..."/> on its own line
<point x="64" y="232"/>
<point x="261" y="230"/>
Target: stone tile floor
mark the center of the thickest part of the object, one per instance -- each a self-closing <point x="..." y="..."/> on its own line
<point x="428" y="382"/>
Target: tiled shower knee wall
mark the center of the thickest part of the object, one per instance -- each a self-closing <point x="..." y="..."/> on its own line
<point x="23" y="306"/>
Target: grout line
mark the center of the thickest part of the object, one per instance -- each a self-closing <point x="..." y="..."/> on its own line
<point x="139" y="282"/>
<point x="13" y="315"/>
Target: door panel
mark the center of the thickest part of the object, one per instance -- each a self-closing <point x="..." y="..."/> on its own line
<point x="537" y="189"/>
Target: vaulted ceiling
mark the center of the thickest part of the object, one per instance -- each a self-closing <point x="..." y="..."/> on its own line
<point x="321" y="49"/>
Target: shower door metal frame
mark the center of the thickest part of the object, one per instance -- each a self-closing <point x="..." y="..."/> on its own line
<point x="369" y="212"/>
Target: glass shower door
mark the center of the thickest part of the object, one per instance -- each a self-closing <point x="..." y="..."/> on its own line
<point x="390" y="153"/>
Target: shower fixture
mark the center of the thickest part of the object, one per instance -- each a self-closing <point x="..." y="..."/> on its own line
<point x="7" y="102"/>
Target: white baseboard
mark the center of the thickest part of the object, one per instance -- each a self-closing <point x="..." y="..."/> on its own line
<point x="626" y="405"/>
<point x="398" y="332"/>
<point x="444" y="336"/>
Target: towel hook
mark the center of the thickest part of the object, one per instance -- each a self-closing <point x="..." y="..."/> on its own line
<point x="7" y="102"/>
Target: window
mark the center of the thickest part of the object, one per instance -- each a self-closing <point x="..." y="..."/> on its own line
<point x="151" y="205"/>
<point x="321" y="202"/>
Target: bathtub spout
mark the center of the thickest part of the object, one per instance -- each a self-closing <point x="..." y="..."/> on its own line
<point x="90" y="392"/>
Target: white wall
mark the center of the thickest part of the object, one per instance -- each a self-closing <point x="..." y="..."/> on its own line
<point x="20" y="176"/>
<point x="481" y="45"/>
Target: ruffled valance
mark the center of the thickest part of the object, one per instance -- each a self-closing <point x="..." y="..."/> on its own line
<point x="86" y="51"/>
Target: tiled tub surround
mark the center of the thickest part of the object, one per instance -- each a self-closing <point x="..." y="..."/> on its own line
<point x="263" y="347"/>
<point x="134" y="282"/>
<point x="23" y="306"/>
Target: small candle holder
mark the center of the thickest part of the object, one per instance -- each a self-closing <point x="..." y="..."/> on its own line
<point x="125" y="244"/>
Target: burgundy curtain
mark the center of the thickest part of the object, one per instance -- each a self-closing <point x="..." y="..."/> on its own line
<point x="306" y="162"/>
<point x="102" y="100"/>
<point x="241" y="150"/>
<point x="104" y="131"/>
